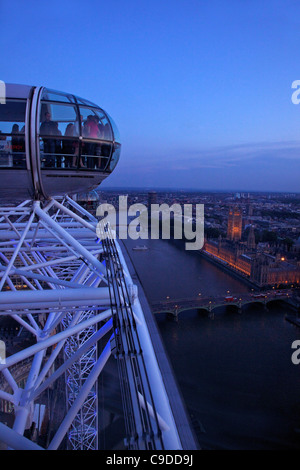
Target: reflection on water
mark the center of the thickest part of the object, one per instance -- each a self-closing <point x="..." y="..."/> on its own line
<point x="235" y="372"/>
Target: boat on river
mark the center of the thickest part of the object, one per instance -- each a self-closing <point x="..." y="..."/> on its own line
<point x="140" y="248"/>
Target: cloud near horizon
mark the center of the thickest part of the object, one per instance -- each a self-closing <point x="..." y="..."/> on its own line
<point x="257" y="166"/>
<point x="235" y="155"/>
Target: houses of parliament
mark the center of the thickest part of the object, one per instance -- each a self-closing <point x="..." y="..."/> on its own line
<point x="261" y="268"/>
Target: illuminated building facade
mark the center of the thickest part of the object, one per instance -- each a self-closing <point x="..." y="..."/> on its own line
<point x="261" y="268"/>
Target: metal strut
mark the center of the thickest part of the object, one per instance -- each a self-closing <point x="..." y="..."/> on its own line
<point x="141" y="419"/>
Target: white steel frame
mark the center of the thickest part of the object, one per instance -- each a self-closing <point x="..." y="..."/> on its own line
<point x="65" y="303"/>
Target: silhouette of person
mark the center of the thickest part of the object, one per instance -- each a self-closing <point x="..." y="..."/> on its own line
<point x="68" y="145"/>
<point x="106" y="148"/>
<point x="15" y="147"/>
<point x="48" y="127"/>
<point x="57" y="145"/>
<point x="93" y="133"/>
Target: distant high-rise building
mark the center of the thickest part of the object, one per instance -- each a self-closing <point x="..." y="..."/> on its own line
<point x="249" y="210"/>
<point x="235" y="221"/>
<point x="152" y="198"/>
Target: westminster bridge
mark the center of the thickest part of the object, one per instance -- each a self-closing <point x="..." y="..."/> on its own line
<point x="209" y="304"/>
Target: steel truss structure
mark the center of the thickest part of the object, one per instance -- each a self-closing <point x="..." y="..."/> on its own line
<point x="68" y="290"/>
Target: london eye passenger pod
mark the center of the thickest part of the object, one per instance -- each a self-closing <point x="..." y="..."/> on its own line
<point x="53" y="143"/>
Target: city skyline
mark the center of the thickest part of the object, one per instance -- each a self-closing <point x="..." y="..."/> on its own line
<point x="201" y="92"/>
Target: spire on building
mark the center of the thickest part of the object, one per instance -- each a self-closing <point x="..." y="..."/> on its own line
<point x="251" y="238"/>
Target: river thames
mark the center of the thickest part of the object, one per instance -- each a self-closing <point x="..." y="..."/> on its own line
<point x="235" y="372"/>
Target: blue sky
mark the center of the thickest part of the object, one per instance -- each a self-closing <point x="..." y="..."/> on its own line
<point x="200" y="90"/>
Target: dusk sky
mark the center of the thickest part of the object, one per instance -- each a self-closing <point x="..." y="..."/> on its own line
<point x="200" y="89"/>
